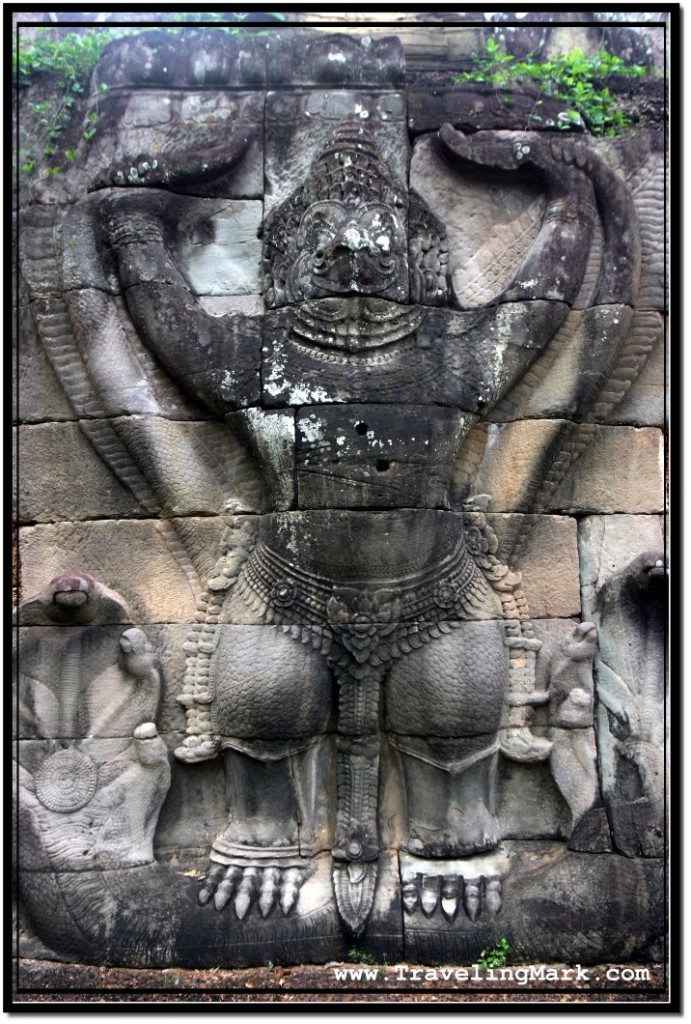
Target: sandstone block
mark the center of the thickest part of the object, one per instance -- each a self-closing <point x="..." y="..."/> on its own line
<point x="156" y="135"/>
<point x="202" y="58"/>
<point x="195" y="811"/>
<point x="48" y="489"/>
<point x="194" y="468"/>
<point x="606" y="544"/>
<point x="548" y="561"/>
<point x="218" y="247"/>
<point x="587" y="368"/>
<point x="646" y="403"/>
<point x="299" y="124"/>
<point x="366" y="454"/>
<point x="334" y="61"/>
<point x="490" y="230"/>
<point x="140" y="560"/>
<point x="621" y="470"/>
<point x="40" y="263"/>
<point x="38" y="394"/>
<point x="474" y="107"/>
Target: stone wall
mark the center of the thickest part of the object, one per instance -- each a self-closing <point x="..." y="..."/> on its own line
<point x="340" y="424"/>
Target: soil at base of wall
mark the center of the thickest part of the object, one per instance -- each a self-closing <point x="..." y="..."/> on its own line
<point x="49" y="982"/>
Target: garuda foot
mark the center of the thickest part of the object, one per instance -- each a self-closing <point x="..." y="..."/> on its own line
<point x="265" y="887"/>
<point x="443" y="887"/>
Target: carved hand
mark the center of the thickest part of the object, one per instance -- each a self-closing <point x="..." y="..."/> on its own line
<point x="215" y="359"/>
<point x="555" y="266"/>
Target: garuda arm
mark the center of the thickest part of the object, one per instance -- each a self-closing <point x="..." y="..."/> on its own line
<point x="214" y="359"/>
<point x="581" y="191"/>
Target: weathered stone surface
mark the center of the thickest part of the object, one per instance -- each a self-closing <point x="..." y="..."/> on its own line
<point x="173" y="138"/>
<point x="614" y="877"/>
<point x="195" y="468"/>
<point x="548" y="561"/>
<point x="111" y="702"/>
<point x="138" y="558"/>
<point x="649" y="192"/>
<point x="557" y="888"/>
<point x="606" y="544"/>
<point x="36" y="229"/>
<point x="203" y="935"/>
<point x="489" y="229"/>
<point x="334" y="61"/>
<point x="48" y="490"/>
<point x="269" y="436"/>
<point x="625" y="582"/>
<point x="38" y="394"/>
<point x="642" y="44"/>
<point x="85" y="264"/>
<point x="385" y="691"/>
<point x="200" y="58"/>
<point x="182" y="839"/>
<point x="473" y="108"/>
<point x="363" y="455"/>
<point x="299" y="123"/>
<point x="513" y="460"/>
<point x="596" y="192"/>
<point x="639" y="484"/>
<point x="631" y="610"/>
<point x="218" y="248"/>
<point x="219" y="305"/>
<point x="509" y="457"/>
<point x="308" y="353"/>
<point x="647" y="402"/>
<point x="581" y="370"/>
<point x="72" y="815"/>
<point x="639" y="159"/>
<point x="592" y="834"/>
<point x="228" y="377"/>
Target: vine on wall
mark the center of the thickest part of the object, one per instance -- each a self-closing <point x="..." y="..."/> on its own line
<point x="575" y="78"/>
<point x="69" y="58"/>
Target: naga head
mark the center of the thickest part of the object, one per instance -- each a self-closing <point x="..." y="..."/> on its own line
<point x="345" y="231"/>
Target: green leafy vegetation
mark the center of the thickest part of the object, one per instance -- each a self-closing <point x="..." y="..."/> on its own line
<point x="494" y="957"/>
<point x="69" y="58"/>
<point x="360" y="956"/>
<point x="574" y="78"/>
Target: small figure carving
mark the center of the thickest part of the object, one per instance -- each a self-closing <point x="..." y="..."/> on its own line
<point x="94" y="779"/>
<point x="630" y="690"/>
<point x="573" y="758"/>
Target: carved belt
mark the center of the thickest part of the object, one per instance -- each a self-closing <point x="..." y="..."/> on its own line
<point x="370" y="620"/>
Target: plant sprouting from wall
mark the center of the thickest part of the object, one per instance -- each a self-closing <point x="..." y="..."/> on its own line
<point x="574" y="78"/>
<point x="65" y="62"/>
<point x="494" y="957"/>
<point x="69" y="58"/>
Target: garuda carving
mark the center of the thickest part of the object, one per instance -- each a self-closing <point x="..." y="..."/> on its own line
<point x="363" y="618"/>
